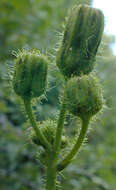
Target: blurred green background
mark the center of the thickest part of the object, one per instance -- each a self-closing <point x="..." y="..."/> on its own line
<point x="37" y="24"/>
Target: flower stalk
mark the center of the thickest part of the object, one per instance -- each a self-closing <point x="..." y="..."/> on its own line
<point x="75" y="149"/>
<point x="40" y="136"/>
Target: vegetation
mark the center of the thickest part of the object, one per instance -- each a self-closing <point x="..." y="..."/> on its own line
<point x="20" y="166"/>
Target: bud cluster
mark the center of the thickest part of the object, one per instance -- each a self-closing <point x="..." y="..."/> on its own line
<point x="76" y="57"/>
<point x="82" y="93"/>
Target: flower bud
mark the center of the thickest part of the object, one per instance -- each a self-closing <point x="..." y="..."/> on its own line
<point x="84" y="96"/>
<point x="82" y="36"/>
<point x="30" y="74"/>
<point x="48" y="128"/>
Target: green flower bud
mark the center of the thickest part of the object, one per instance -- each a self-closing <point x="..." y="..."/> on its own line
<point x="30" y="74"/>
<point x="84" y="96"/>
<point x="48" y="128"/>
<point x="82" y="36"/>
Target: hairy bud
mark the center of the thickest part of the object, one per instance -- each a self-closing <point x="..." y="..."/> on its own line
<point x="84" y="96"/>
<point x="48" y="128"/>
<point x="82" y="36"/>
<point x="30" y="74"/>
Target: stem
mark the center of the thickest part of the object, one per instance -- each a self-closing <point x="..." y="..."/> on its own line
<point x="40" y="136"/>
<point x="51" y="173"/>
<point x="60" y="125"/>
<point x="76" y="147"/>
<point x="53" y="156"/>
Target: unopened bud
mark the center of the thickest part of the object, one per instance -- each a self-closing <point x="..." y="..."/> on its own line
<point x="30" y="74"/>
<point x="82" y="36"/>
<point x="48" y="128"/>
<point x="84" y="96"/>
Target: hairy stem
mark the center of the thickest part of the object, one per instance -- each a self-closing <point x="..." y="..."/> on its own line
<point x="51" y="173"/>
<point x="60" y="125"/>
<point x="76" y="147"/>
<point x="40" y="136"/>
<point x="53" y="156"/>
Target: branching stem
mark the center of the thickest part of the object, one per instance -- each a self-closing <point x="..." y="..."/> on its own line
<point x="53" y="155"/>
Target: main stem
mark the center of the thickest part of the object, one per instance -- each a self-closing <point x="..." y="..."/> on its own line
<point x="76" y="147"/>
<point x="40" y="136"/>
<point x="51" y="172"/>
<point x="53" y="155"/>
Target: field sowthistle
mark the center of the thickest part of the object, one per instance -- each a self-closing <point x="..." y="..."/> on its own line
<point x="82" y="94"/>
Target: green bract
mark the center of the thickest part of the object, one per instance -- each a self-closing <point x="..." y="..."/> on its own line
<point x="80" y="42"/>
<point x="30" y="74"/>
<point x="84" y="96"/>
